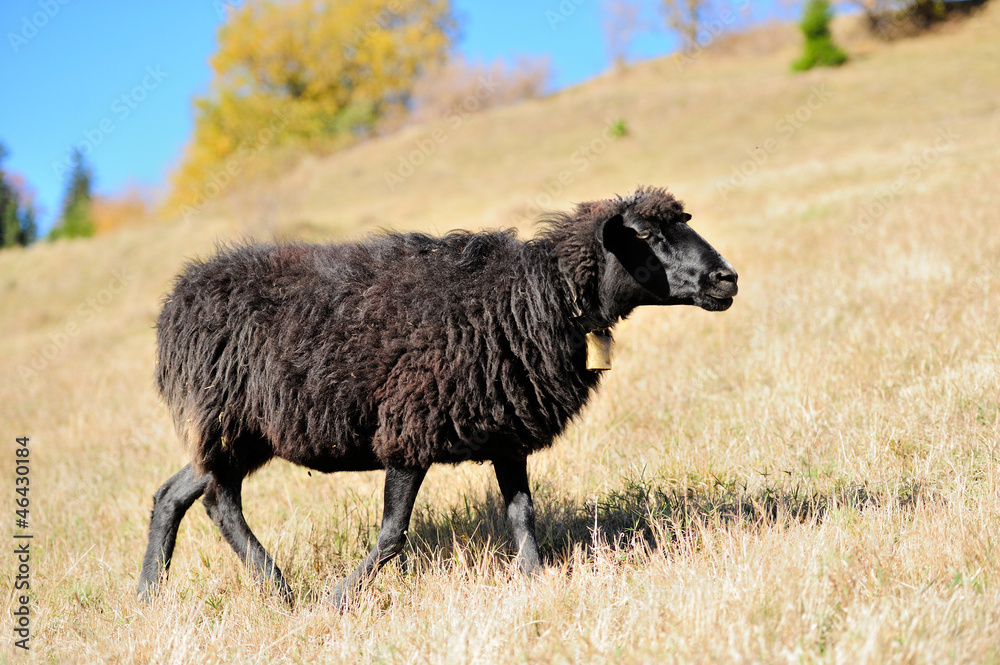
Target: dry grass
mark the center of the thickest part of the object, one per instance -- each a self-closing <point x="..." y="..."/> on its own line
<point x="809" y="477"/>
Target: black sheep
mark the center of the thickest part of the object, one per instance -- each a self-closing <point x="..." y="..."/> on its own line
<point x="404" y="350"/>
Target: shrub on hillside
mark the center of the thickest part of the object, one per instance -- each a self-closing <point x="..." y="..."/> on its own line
<point x="460" y="88"/>
<point x="895" y="19"/>
<point x="129" y="207"/>
<point x="820" y="51"/>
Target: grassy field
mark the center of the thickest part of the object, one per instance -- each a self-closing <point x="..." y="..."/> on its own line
<point x="810" y="477"/>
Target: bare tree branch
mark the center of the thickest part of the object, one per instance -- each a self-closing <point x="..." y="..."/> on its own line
<point x="620" y="19"/>
<point x="684" y="17"/>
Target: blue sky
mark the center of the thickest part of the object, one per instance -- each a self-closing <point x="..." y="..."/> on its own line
<point x="118" y="77"/>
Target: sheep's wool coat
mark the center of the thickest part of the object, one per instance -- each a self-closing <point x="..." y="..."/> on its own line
<point x="399" y="350"/>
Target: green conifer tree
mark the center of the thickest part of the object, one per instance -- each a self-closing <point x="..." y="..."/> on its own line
<point x="17" y="218"/>
<point x="29" y="228"/>
<point x="9" y="224"/>
<point x="820" y="51"/>
<point x="76" y="220"/>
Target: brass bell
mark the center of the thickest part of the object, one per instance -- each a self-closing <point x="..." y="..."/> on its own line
<point x="599" y="350"/>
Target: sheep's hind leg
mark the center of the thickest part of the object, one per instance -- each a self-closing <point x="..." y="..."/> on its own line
<point x="401" y="487"/>
<point x="224" y="504"/>
<point x="170" y="503"/>
<point x="512" y="475"/>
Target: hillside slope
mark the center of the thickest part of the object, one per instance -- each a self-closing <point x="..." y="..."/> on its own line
<point x="811" y="476"/>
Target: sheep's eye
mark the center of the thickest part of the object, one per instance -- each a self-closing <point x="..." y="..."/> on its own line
<point x="643" y="234"/>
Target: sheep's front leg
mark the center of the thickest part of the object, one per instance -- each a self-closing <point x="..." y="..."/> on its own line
<point x="401" y="487"/>
<point x="513" y="478"/>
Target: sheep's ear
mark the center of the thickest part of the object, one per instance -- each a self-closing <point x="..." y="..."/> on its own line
<point x="686" y="217"/>
<point x="645" y="273"/>
<point x="612" y="232"/>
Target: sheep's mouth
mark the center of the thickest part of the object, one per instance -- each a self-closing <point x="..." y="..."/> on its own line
<point x="713" y="304"/>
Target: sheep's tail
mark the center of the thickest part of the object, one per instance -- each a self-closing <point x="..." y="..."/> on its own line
<point x="175" y="388"/>
<point x="186" y="354"/>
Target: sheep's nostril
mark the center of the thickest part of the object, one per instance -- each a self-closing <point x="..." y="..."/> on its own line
<point x="724" y="276"/>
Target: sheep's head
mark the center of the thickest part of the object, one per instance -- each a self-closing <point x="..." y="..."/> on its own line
<point x="653" y="257"/>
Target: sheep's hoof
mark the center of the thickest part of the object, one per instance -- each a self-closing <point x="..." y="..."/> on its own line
<point x="146" y="591"/>
<point x="337" y="600"/>
<point x="287" y="597"/>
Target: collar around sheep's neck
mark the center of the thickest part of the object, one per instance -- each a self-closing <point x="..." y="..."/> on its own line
<point x="597" y="331"/>
<point x="598" y="335"/>
<point x="589" y="323"/>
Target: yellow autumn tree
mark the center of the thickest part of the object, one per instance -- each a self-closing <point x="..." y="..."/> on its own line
<point x="305" y="70"/>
